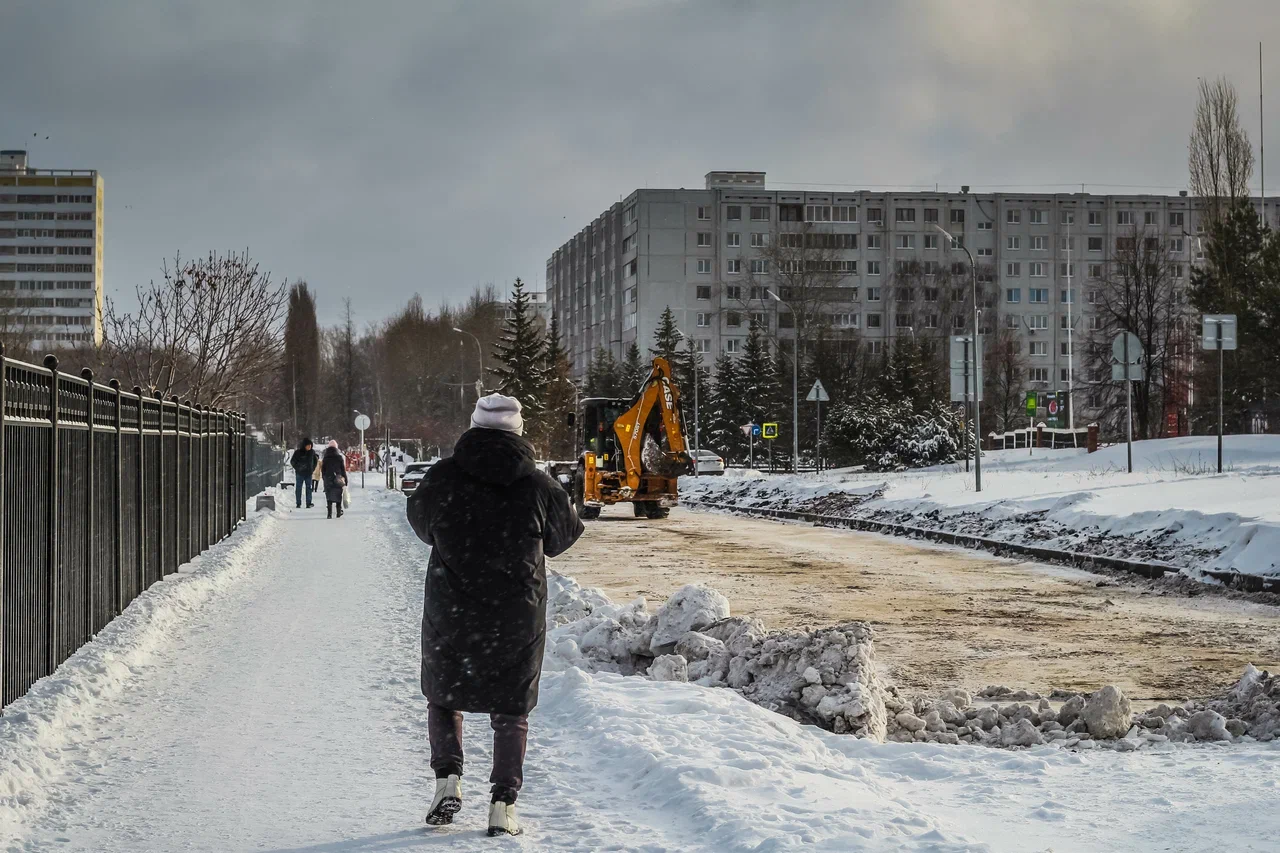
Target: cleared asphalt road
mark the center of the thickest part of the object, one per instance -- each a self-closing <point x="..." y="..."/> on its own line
<point x="944" y="617"/>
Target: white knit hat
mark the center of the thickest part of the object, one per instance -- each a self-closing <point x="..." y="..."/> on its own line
<point x="498" y="412"/>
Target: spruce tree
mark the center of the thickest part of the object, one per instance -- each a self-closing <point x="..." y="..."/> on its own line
<point x="604" y="378"/>
<point x="557" y="437"/>
<point x="522" y="371"/>
<point x="723" y="414"/>
<point x="759" y="383"/>
<point x="666" y="337"/>
<point x="633" y="369"/>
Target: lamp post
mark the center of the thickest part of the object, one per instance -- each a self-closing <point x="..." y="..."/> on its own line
<point x="977" y="417"/>
<point x="795" y="384"/>
<point x="696" y="371"/>
<point x="480" y="356"/>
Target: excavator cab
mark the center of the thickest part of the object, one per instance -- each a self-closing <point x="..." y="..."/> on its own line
<point x="599" y="414"/>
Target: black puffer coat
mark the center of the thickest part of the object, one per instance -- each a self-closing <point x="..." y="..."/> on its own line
<point x="334" y="470"/>
<point x="304" y="459"/>
<point x="490" y="518"/>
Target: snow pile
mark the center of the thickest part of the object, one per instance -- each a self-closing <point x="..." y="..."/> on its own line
<point x="1174" y="509"/>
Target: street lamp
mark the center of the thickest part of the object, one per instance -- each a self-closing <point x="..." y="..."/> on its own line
<point x="977" y="417"/>
<point x="795" y="384"/>
<point x="696" y="370"/>
<point x="480" y="355"/>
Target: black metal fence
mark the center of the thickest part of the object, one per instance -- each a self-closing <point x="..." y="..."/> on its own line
<point x="103" y="492"/>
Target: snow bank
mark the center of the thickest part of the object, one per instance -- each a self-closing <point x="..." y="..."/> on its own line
<point x="1173" y="509"/>
<point x="53" y="714"/>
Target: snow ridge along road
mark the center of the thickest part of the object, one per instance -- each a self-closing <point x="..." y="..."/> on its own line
<point x="279" y="711"/>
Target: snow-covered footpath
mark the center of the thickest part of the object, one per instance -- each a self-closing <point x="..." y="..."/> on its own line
<point x="1174" y="508"/>
<point x="267" y="700"/>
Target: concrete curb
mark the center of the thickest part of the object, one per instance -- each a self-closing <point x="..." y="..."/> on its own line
<point x="1088" y="562"/>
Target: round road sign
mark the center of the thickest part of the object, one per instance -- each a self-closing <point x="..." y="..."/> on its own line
<point x="362" y="422"/>
<point x="1053" y="407"/>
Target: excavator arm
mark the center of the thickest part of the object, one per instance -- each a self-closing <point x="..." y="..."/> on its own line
<point x="657" y="390"/>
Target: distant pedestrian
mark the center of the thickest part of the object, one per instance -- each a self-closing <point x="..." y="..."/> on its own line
<point x="316" y="476"/>
<point x="490" y="517"/>
<point x="304" y="462"/>
<point x="334" y="474"/>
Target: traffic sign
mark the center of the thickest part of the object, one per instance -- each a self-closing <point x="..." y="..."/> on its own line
<point x="749" y="429"/>
<point x="1212" y="324"/>
<point x="769" y="431"/>
<point x="1031" y="404"/>
<point x="1133" y="352"/>
<point x="362" y="422"/>
<point x="960" y="355"/>
<point x="817" y="394"/>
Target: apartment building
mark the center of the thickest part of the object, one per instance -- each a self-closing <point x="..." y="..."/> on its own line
<point x="50" y="252"/>
<point x="704" y="253"/>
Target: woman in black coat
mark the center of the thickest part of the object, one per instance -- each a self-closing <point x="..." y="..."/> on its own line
<point x="334" y="469"/>
<point x="491" y="518"/>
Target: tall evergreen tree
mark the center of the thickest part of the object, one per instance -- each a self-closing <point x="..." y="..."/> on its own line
<point x="522" y="370"/>
<point x="724" y="414"/>
<point x="604" y="378"/>
<point x="633" y="369"/>
<point x="557" y="435"/>
<point x="300" y="379"/>
<point x="760" y="388"/>
<point x="666" y="337"/>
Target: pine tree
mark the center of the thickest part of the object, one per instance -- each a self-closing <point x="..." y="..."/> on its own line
<point x="723" y="414"/>
<point x="759" y="383"/>
<point x="557" y="437"/>
<point x="633" y="369"/>
<point x="666" y="337"/>
<point x="300" y="377"/>
<point x="604" y="378"/>
<point x="687" y="366"/>
<point x="522" y="371"/>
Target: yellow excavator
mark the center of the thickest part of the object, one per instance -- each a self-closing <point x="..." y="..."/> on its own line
<point x="633" y="451"/>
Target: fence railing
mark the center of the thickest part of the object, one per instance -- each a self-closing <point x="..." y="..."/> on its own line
<point x="1040" y="436"/>
<point x="103" y="492"/>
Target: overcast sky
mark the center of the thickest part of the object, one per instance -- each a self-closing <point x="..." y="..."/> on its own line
<point x="383" y="149"/>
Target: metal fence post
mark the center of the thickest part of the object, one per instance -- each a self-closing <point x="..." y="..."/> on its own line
<point x="4" y="656"/>
<point x="142" y="488"/>
<point x="191" y="458"/>
<point x="177" y="482"/>
<point x="90" y="557"/>
<point x="52" y="573"/>
<point x="117" y="582"/>
<point x="160" y="486"/>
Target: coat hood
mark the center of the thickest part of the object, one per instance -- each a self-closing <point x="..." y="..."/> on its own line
<point x="302" y="445"/>
<point x="494" y="455"/>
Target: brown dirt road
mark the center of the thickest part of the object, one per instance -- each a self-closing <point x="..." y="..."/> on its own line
<point x="943" y="617"/>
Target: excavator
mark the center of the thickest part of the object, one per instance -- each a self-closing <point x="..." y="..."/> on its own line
<point x="633" y="450"/>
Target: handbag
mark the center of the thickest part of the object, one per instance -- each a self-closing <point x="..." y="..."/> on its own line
<point x="346" y="498"/>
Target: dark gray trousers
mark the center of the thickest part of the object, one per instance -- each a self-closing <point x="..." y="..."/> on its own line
<point x="510" y="735"/>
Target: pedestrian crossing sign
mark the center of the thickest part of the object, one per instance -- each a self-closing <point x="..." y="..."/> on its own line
<point x="769" y="431"/>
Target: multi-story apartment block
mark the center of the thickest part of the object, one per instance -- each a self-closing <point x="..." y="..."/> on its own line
<point x="51" y="252"/>
<point x="706" y="253"/>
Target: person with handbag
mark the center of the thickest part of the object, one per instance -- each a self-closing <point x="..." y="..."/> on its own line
<point x="334" y="473"/>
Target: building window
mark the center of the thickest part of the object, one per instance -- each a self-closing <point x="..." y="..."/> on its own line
<point x="906" y="241"/>
<point x="1011" y="321"/>
<point x="902" y="321"/>
<point x="630" y="268"/>
<point x="817" y="213"/>
<point x="931" y="214"/>
<point x="759" y="213"/>
<point x="844" y="213"/>
<point x="732" y="319"/>
<point x="733" y="240"/>
<point x="1126" y="244"/>
<point x="931" y="294"/>
<point x="1013" y="269"/>
<point x="759" y="239"/>
<point x="1038" y="321"/>
<point x="1038" y="374"/>
<point x="760" y="320"/>
<point x="844" y="321"/>
<point x="704" y="239"/>
<point x="629" y="215"/>
<point x="1176" y="245"/>
<point x="1067" y="296"/>
<point x="873" y="241"/>
<point x="1013" y="294"/>
<point x="704" y="291"/>
<point x="1068" y="217"/>
<point x="1095" y="322"/>
<point x="759" y="266"/>
<point x="733" y="292"/>
<point x="1037" y="270"/>
<point x="629" y="322"/>
<point x="734" y="266"/>
<point x="848" y="267"/>
<point x="873" y="294"/>
<point x="1067" y="270"/>
<point x="703" y="320"/>
<point x="1091" y="296"/>
<point x="957" y="322"/>
<point x="732" y="346"/>
<point x="791" y="267"/>
<point x="1038" y="295"/>
<point x="931" y="241"/>
<point x="1036" y="216"/>
<point x="790" y="213"/>
<point x="875" y="215"/>
<point x="902" y="267"/>
<point x="1013" y="216"/>
<point x="904" y="214"/>
<point x="1124" y="217"/>
<point x="873" y="268"/>
<point x="1014" y="243"/>
<point x="1177" y="219"/>
<point x="1177" y="270"/>
<point x="957" y="217"/>
<point x="733" y="212"/>
<point x="930" y="321"/>
<point x="984" y="251"/>
<point x="1095" y="244"/>
<point x="1039" y="348"/>
<point x="1149" y="217"/>
<point x="704" y="212"/>
<point x="704" y="344"/>
<point x="985" y="224"/>
<point x="875" y="347"/>
<point x="873" y="320"/>
<point x="704" y="266"/>
<point x="1095" y="271"/>
<point x="1037" y="244"/>
<point x="1095" y="217"/>
<point x="1064" y="348"/>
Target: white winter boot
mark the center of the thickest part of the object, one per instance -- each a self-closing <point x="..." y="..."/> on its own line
<point x="502" y="820"/>
<point x="447" y="801"/>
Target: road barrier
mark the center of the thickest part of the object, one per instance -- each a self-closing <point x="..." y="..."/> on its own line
<point x="1237" y="580"/>
<point x="103" y="492"/>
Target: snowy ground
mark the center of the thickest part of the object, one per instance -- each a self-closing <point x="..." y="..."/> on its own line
<point x="1173" y="508"/>
<point x="267" y="700"/>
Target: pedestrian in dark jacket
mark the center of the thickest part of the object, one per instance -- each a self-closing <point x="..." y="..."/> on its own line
<point x="490" y="518"/>
<point x="303" y="462"/>
<point x="333" y="469"/>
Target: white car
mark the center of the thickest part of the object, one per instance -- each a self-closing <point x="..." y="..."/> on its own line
<point x="413" y="474"/>
<point x="708" y="462"/>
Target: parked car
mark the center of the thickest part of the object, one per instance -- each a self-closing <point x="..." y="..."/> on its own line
<point x="562" y="472"/>
<point x="708" y="462"/>
<point x="413" y="474"/>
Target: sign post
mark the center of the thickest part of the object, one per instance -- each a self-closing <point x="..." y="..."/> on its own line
<point x="1031" y="422"/>
<point x="1126" y="349"/>
<point x="966" y="351"/>
<point x="1218" y="332"/>
<point x="818" y="395"/>
<point x="751" y="430"/>
<point x="362" y="424"/>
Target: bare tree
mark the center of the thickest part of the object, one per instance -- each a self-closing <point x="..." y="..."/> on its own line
<point x="16" y="331"/>
<point x="1004" y="368"/>
<point x="209" y="330"/>
<point x="1219" y="156"/>
<point x="1138" y="294"/>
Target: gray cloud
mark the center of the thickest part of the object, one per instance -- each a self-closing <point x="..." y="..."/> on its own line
<point x="388" y="148"/>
